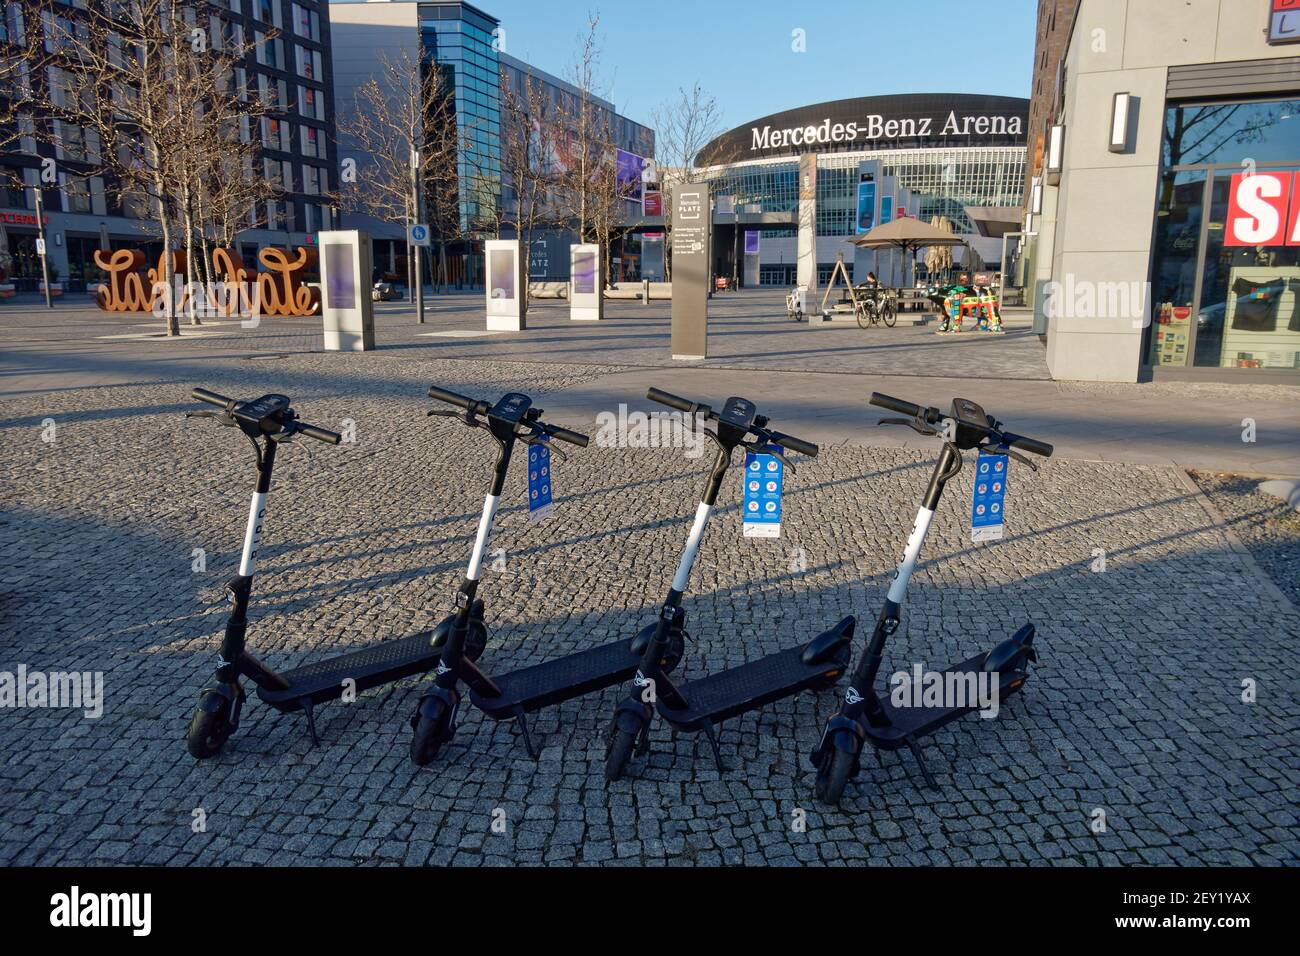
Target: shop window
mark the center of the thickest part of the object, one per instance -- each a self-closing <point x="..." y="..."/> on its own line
<point x="1249" y="314"/>
<point x="1173" y="276"/>
<point x="1231" y="133"/>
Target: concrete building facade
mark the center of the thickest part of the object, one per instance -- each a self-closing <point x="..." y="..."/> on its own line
<point x="1155" y="254"/>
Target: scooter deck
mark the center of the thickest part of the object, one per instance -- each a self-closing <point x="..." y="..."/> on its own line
<point x="552" y="682"/>
<point x="715" y="698"/>
<point x="370" y="666"/>
<point x="910" y="722"/>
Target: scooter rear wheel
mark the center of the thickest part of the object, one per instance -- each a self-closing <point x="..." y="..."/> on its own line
<point x="833" y="777"/>
<point x="621" y="744"/>
<point x="208" y="731"/>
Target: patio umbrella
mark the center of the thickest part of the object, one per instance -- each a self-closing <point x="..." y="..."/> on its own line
<point x="938" y="259"/>
<point x="905" y="234"/>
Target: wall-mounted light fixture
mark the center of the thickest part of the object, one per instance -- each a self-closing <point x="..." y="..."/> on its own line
<point x="1036" y="196"/>
<point x="1119" y="111"/>
<point x="1055" y="160"/>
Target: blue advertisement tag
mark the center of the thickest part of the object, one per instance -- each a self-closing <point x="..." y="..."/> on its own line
<point x="986" y="511"/>
<point x="762" y="500"/>
<point x="539" y="482"/>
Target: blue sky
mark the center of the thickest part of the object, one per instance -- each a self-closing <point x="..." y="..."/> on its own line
<point x="740" y="50"/>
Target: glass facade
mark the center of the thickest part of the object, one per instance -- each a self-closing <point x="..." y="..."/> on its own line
<point x="459" y="39"/>
<point x="1225" y="295"/>
<point x="946" y="180"/>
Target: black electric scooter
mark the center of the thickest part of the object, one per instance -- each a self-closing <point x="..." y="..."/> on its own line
<point x="867" y="718"/>
<point x="434" y="723"/>
<point x="268" y="422"/>
<point x="698" y="705"/>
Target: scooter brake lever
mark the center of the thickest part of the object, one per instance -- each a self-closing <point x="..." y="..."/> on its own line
<point x="536" y="439"/>
<point x="765" y="448"/>
<point x="223" y="418"/>
<point x="1000" y="449"/>
<point x="913" y="423"/>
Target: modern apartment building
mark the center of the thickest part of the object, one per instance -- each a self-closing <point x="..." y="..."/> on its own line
<point x="290" y="67"/>
<point x="464" y="41"/>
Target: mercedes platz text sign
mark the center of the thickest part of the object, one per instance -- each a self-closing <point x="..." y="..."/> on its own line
<point x="690" y="217"/>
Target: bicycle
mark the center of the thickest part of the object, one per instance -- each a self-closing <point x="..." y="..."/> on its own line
<point x="872" y="308"/>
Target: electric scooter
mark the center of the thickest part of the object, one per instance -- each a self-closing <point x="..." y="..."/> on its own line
<point x="864" y="717"/>
<point x="268" y="423"/>
<point x="434" y="723"/>
<point x="698" y="705"/>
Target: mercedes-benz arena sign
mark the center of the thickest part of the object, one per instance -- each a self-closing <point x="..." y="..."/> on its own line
<point x="878" y="122"/>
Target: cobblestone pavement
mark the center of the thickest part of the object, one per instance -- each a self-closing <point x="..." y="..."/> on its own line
<point x="1266" y="525"/>
<point x="746" y="330"/>
<point x="1135" y="711"/>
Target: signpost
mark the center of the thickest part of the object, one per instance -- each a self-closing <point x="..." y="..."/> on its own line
<point x="40" y="245"/>
<point x="347" y="311"/>
<point x="691" y="257"/>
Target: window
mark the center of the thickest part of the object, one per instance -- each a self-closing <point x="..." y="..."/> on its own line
<point x="306" y="22"/>
<point x="311" y="103"/>
<point x="1216" y="303"/>
<point x="310" y="180"/>
<point x="310" y="141"/>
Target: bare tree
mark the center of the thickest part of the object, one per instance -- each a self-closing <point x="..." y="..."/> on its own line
<point x="585" y="140"/>
<point x="403" y="122"/>
<point x="137" y="85"/>
<point x="22" y="57"/>
<point x="527" y="151"/>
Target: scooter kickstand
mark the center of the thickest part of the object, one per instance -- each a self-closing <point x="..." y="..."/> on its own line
<point x="306" y="705"/>
<point x="528" y="740"/>
<point x="920" y="762"/>
<point x="713" y="742"/>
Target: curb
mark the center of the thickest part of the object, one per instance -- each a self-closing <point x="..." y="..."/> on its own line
<point x="1235" y="544"/>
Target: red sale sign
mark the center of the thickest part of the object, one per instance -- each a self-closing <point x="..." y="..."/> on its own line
<point x="1257" y="209"/>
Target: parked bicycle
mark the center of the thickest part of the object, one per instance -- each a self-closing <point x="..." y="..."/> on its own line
<point x="873" y="306"/>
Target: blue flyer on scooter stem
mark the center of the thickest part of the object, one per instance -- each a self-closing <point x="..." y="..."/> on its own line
<point x="762" y="501"/>
<point x="990" y="495"/>
<point x="539" y="482"/>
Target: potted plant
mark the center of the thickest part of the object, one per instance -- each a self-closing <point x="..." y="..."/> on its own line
<point x="7" y="288"/>
<point x="56" y="287"/>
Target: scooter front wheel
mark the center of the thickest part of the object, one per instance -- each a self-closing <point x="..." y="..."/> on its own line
<point x="833" y="776"/>
<point x="209" y="727"/>
<point x="429" y="730"/>
<point x="621" y="745"/>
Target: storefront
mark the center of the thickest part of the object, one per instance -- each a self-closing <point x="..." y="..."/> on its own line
<point x="1225" y="278"/>
<point x="1163" y="219"/>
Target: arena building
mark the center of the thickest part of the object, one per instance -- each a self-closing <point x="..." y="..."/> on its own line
<point x="811" y="179"/>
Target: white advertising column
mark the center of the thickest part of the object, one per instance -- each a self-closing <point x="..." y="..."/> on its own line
<point x="503" y="260"/>
<point x="586" y="285"/>
<point x="347" y="311"/>
<point x="806" y="241"/>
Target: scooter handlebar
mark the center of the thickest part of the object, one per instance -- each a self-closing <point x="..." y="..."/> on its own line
<point x="1027" y="444"/>
<point x="564" y="434"/>
<point x="676" y="401"/>
<point x="212" y="398"/>
<point x="795" y="444"/>
<point x="896" y="405"/>
<point x="320" y="434"/>
<point x="455" y="398"/>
